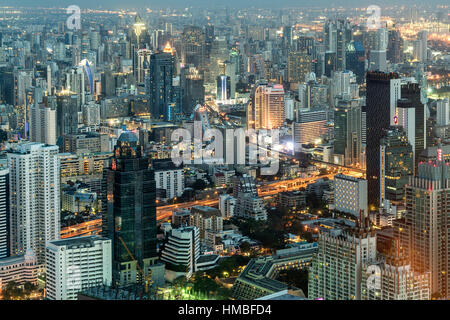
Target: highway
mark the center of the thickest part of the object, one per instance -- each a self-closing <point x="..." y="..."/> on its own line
<point x="163" y="213"/>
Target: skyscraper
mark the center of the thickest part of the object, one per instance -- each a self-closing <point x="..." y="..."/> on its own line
<point x="336" y="268"/>
<point x="299" y="66"/>
<point x="347" y="131"/>
<point x="427" y="223"/>
<point x="4" y="213"/>
<point x="159" y="84"/>
<point x="129" y="212"/>
<point x="35" y="197"/>
<point x="383" y="91"/>
<point x="396" y="165"/>
<point x="266" y="107"/>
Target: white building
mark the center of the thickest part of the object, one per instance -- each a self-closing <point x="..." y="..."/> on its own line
<point x="350" y="194"/>
<point x="76" y="263"/>
<point x="91" y="114"/>
<point x="4" y="212"/>
<point x="226" y="205"/>
<point x="250" y="206"/>
<point x="170" y="178"/>
<point x="21" y="269"/>
<point x="43" y="124"/>
<point x="183" y="248"/>
<point x="442" y="112"/>
<point x="34" y="197"/>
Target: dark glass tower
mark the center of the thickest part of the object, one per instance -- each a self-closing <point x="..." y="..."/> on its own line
<point x="396" y="165"/>
<point x="378" y="119"/>
<point x="411" y="94"/>
<point x="355" y="60"/>
<point x="159" y="84"/>
<point x="129" y="214"/>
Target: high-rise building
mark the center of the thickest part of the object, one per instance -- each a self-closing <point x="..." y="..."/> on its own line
<point x="75" y="264"/>
<point x="35" y="197"/>
<point x="442" y="112"/>
<point x="426" y="223"/>
<point x="336" y="269"/>
<point x="311" y="127"/>
<point x="355" y="60"/>
<point x="266" y="107"/>
<point x="193" y="46"/>
<point x="396" y="280"/>
<point x="337" y="34"/>
<point x="396" y="165"/>
<point x="350" y="194"/>
<point x="4" y="213"/>
<point x="383" y="91"/>
<point x="347" y="131"/>
<point x="159" y="84"/>
<point x="395" y="47"/>
<point x="43" y="124"/>
<point x="67" y="113"/>
<point x="129" y="217"/>
<point x="299" y="66"/>
<point x="411" y="93"/>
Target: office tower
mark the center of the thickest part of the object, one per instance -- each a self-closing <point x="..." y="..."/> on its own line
<point x="75" y="264"/>
<point x="336" y="268"/>
<point x="193" y="46"/>
<point x="75" y="83"/>
<point x="406" y="119"/>
<point x="129" y="217"/>
<point x="350" y="194"/>
<point x="330" y="63"/>
<point x="67" y="113"/>
<point x="223" y="88"/>
<point x="347" y="132"/>
<point x="289" y="108"/>
<point x="396" y="280"/>
<point x="395" y="47"/>
<point x="4" y="213"/>
<point x="377" y="55"/>
<point x="411" y="93"/>
<point x="299" y="66"/>
<point x="310" y="127"/>
<point x="35" y="197"/>
<point x="442" y="112"/>
<point x="396" y="165"/>
<point x="182" y="248"/>
<point x="383" y="91"/>
<point x="142" y="64"/>
<point x="337" y="34"/>
<point x="193" y="89"/>
<point x="420" y="50"/>
<point x="159" y="84"/>
<point x="43" y="124"/>
<point x="355" y="60"/>
<point x="266" y="107"/>
<point x="287" y="36"/>
<point x="91" y="142"/>
<point x="343" y="86"/>
<point x="91" y="114"/>
<point x="312" y="94"/>
<point x="427" y="223"/>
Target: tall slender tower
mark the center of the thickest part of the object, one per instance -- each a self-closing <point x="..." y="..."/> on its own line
<point x="35" y="197"/>
<point x="427" y="223"/>
<point x="129" y="212"/>
<point x="383" y="91"/>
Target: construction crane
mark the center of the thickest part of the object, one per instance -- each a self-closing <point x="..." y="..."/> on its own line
<point x="147" y="279"/>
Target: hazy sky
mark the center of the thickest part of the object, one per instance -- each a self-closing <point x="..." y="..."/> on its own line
<point x="207" y="3"/>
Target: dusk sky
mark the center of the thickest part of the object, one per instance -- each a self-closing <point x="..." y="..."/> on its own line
<point x="204" y="3"/>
